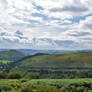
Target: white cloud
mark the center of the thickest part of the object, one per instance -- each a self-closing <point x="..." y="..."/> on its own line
<point x="52" y="20"/>
<point x="65" y="8"/>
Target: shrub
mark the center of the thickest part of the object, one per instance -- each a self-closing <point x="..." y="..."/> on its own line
<point x="63" y="89"/>
<point x="0" y="90"/>
<point x="26" y="90"/>
<point x="23" y="80"/>
<point x="14" y="76"/>
<point x="7" y="88"/>
<point x="89" y="90"/>
<point x="33" y="75"/>
<point x="73" y="89"/>
<point x="80" y="89"/>
<point x="3" y="75"/>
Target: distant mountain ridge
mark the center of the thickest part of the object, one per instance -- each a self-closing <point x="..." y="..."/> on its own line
<point x="35" y="51"/>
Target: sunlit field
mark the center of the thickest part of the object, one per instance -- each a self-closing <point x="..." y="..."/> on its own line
<point x="46" y="85"/>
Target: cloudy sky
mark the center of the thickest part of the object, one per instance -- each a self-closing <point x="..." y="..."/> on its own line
<point x="46" y="24"/>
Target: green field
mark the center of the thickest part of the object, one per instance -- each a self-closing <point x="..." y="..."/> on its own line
<point x="5" y="61"/>
<point x="46" y="85"/>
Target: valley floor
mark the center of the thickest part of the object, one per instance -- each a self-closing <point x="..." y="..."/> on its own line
<point x="46" y="85"/>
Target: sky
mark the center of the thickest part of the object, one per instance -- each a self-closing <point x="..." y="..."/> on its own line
<point x="46" y="24"/>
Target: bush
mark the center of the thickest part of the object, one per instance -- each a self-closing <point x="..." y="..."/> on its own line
<point x="80" y="89"/>
<point x="5" y="88"/>
<point x="26" y="90"/>
<point x="0" y="89"/>
<point x="14" y="76"/>
<point x="23" y="80"/>
<point x="33" y="75"/>
<point x="3" y="75"/>
<point x="89" y="90"/>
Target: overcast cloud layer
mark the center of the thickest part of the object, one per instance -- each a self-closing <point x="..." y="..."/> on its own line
<point x="46" y="24"/>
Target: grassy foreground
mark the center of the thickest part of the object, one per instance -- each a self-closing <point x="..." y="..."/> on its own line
<point x="46" y="85"/>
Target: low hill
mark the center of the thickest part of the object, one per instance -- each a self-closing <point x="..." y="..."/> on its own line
<point x="54" y="65"/>
<point x="11" y="55"/>
<point x="71" y="60"/>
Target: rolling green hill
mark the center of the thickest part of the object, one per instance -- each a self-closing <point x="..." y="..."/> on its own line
<point x="71" y="60"/>
<point x="11" y="55"/>
<point x="57" y="64"/>
<point x="7" y="57"/>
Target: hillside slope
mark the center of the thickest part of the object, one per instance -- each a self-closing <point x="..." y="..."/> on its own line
<point x="71" y="60"/>
<point x="11" y="55"/>
<point x="55" y="66"/>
